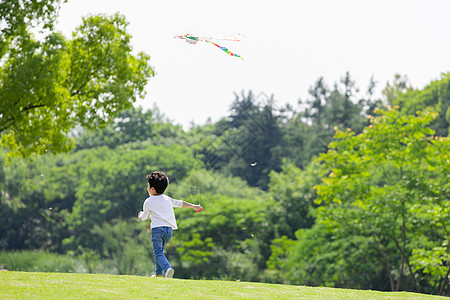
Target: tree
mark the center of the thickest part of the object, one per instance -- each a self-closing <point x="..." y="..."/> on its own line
<point x="232" y="227"/>
<point x="390" y="183"/>
<point x="308" y="133"/>
<point x="131" y="125"/>
<point x="28" y="189"/>
<point x="320" y="257"/>
<point x="320" y="94"/>
<point x="125" y="244"/>
<point x="342" y="109"/>
<point x="399" y="85"/>
<point x="292" y="190"/>
<point x="48" y="87"/>
<point x="253" y="136"/>
<point x="433" y="97"/>
<point x="18" y="15"/>
<point x="195" y="254"/>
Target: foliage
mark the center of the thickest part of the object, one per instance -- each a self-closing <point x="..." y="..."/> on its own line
<point x="227" y="226"/>
<point x="203" y="182"/>
<point x="224" y="219"/>
<point x="308" y="132"/>
<point x="320" y="257"/>
<point x="281" y="249"/>
<point x="383" y="182"/>
<point x="125" y="244"/>
<point x="400" y="85"/>
<point x="433" y="97"/>
<point x="131" y="125"/>
<point x="251" y="135"/>
<point x="433" y="262"/>
<point x="39" y="261"/>
<point x="292" y="190"/>
<point x="17" y="16"/>
<point x="48" y="87"/>
<point x="195" y="254"/>
<point x="24" y="195"/>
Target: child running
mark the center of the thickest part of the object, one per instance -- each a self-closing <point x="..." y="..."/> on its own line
<point x="160" y="209"/>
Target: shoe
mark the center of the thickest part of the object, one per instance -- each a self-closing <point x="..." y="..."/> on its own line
<point x="169" y="273"/>
<point x="156" y="275"/>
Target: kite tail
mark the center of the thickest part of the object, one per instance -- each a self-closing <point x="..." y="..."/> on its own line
<point x="226" y="50"/>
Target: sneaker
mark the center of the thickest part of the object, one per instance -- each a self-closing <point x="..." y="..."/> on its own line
<point x="169" y="273"/>
<point x="156" y="275"/>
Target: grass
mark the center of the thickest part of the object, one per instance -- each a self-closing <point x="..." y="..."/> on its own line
<point x="38" y="285"/>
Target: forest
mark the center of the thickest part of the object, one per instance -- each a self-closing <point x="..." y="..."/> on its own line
<point x="343" y="190"/>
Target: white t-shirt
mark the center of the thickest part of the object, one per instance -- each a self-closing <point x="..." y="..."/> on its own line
<point x="160" y="209"/>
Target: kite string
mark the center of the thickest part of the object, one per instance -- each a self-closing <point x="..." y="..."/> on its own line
<point x="192" y="187"/>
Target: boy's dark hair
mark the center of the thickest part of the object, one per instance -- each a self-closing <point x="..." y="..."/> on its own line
<point x="159" y="181"/>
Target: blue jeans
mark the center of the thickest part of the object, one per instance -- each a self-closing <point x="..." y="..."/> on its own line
<point x="160" y="237"/>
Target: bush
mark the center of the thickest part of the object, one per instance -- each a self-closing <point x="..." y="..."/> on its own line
<point x="40" y="261"/>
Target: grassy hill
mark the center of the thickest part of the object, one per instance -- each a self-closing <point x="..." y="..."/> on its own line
<point x="34" y="285"/>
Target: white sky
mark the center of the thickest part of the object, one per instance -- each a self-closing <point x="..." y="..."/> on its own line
<point x="288" y="45"/>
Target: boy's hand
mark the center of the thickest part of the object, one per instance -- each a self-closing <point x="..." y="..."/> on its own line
<point x="197" y="208"/>
<point x="139" y="214"/>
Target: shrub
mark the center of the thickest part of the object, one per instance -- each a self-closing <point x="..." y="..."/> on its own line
<point x="40" y="261"/>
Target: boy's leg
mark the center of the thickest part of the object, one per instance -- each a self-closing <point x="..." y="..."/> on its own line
<point x="160" y="237"/>
<point x="167" y="237"/>
<point x="158" y="269"/>
<point x="157" y="242"/>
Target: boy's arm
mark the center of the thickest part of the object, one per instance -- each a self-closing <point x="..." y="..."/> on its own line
<point x="197" y="208"/>
<point x="144" y="213"/>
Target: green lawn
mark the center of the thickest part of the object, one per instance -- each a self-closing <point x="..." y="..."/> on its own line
<point x="34" y="285"/>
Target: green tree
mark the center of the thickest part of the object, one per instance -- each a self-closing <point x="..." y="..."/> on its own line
<point x="44" y="190"/>
<point x="235" y="228"/>
<point x="23" y="193"/>
<point x="383" y="182"/>
<point x="399" y="85"/>
<point x="281" y="249"/>
<point x="125" y="243"/>
<point x="132" y="125"/>
<point x="195" y="255"/>
<point x="252" y="135"/>
<point x="292" y="190"/>
<point x="17" y="16"/>
<point x="433" y="97"/>
<point x="320" y="94"/>
<point x="48" y="87"/>
<point x="320" y="257"/>
<point x="343" y="109"/>
<point x="309" y="131"/>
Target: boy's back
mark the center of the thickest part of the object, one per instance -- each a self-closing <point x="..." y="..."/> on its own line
<point x="160" y="209"/>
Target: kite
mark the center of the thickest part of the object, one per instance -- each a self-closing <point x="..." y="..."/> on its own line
<point x="192" y="39"/>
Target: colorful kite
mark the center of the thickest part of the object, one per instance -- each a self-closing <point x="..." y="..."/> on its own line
<point x="192" y="39"/>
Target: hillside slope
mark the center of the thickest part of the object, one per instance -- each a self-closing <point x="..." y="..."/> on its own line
<point x="30" y="285"/>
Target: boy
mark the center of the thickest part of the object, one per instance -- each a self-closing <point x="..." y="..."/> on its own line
<point x="160" y="208"/>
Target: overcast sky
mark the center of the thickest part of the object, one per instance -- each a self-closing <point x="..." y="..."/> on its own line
<point x="288" y="45"/>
